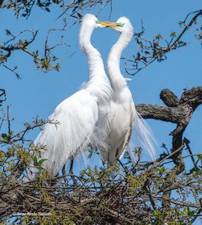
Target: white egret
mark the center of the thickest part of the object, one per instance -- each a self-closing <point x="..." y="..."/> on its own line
<point x="77" y="117"/>
<point x="122" y="114"/>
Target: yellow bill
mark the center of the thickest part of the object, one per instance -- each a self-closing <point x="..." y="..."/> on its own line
<point x="110" y="24"/>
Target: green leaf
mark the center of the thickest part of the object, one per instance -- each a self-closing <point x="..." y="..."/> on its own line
<point x="158" y="37"/>
<point x="41" y="161"/>
<point x="199" y="156"/>
<point x="173" y="34"/>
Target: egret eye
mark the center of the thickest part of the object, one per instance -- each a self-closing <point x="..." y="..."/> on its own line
<point x="120" y="24"/>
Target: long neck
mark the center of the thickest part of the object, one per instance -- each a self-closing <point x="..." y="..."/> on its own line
<point x="117" y="80"/>
<point x="96" y="66"/>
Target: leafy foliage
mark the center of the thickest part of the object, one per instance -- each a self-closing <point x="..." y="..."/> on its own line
<point x="145" y="193"/>
<point x="157" y="48"/>
<point x="24" y="8"/>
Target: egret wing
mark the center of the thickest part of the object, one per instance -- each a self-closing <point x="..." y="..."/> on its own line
<point x="120" y="119"/>
<point x="73" y="123"/>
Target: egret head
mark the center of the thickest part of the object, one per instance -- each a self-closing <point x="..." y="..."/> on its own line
<point x="88" y="24"/>
<point x="123" y="25"/>
<point x="90" y="20"/>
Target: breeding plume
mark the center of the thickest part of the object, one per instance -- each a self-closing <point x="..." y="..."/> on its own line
<point x="77" y="116"/>
<point x="122" y="116"/>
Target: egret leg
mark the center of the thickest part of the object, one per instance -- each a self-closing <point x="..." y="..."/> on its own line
<point x="64" y="170"/>
<point x="71" y="172"/>
<point x="71" y="166"/>
<point x="64" y="173"/>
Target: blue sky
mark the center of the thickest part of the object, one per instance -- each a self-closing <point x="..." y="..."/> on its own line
<point x="37" y="94"/>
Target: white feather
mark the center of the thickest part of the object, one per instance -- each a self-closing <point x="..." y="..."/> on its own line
<point x="122" y="115"/>
<point x="78" y="116"/>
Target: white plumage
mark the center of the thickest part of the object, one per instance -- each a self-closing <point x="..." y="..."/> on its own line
<point x="78" y="116"/>
<point x="102" y="114"/>
<point x="75" y="120"/>
<point x="122" y="114"/>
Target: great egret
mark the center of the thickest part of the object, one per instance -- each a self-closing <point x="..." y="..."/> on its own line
<point x="78" y="117"/>
<point x="122" y="115"/>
